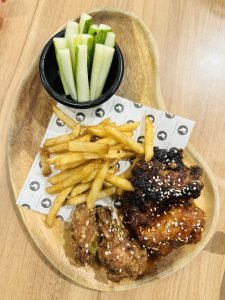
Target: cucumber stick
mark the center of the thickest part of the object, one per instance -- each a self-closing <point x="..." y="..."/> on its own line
<point x="71" y="28"/>
<point x="93" y="30"/>
<point x="64" y="55"/>
<point x="106" y="64"/>
<point x="85" y="22"/>
<point x="61" y="43"/>
<point x="102" y="32"/>
<point x="80" y="39"/>
<point x="82" y="83"/>
<point x="71" y="41"/>
<point x="110" y="39"/>
<point x="96" y="70"/>
<point x="87" y="39"/>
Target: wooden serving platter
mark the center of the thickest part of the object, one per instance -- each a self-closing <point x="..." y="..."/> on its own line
<point x="28" y="125"/>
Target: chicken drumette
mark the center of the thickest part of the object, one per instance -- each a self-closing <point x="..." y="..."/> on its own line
<point x="165" y="178"/>
<point x="161" y="230"/>
<point x="84" y="234"/>
<point x="118" y="252"/>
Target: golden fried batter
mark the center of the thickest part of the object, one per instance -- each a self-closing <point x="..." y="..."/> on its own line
<point x="84" y="234"/>
<point x="122" y="256"/>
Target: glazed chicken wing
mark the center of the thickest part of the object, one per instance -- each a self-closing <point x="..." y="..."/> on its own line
<point x="165" y="178"/>
<point x="162" y="230"/>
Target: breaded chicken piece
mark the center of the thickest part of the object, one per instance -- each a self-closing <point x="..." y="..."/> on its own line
<point x="84" y="234"/>
<point x="161" y="231"/>
<point x="122" y="256"/>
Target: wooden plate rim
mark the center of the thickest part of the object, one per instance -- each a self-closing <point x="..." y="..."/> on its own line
<point x="102" y="287"/>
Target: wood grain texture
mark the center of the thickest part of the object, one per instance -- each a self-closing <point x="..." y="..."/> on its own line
<point x="28" y="125"/>
<point x="190" y="38"/>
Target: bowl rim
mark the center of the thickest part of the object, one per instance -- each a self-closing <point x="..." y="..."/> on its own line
<point x="80" y="105"/>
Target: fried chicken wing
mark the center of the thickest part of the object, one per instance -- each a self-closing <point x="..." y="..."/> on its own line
<point x="162" y="230"/>
<point x="84" y="234"/>
<point x="165" y="178"/>
<point x="122" y="256"/>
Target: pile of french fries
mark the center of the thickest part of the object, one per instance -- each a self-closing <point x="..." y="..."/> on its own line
<point x="87" y="159"/>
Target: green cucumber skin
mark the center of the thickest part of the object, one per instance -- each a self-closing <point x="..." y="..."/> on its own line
<point x="71" y="46"/>
<point x="87" y="25"/>
<point x="85" y="22"/>
<point x="93" y="30"/>
<point x="88" y="40"/>
<point x="101" y="35"/>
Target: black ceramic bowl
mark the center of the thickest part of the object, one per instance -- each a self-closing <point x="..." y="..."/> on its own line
<point x="48" y="69"/>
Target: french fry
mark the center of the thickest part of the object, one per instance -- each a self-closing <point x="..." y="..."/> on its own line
<point x="68" y="172"/>
<point x="118" y="154"/>
<point x="129" y="126"/>
<point x="60" y="199"/>
<point x="114" y="162"/>
<point x="98" y="131"/>
<point x="88" y="147"/>
<point x="83" y="130"/>
<point x="112" y="171"/>
<point x="63" y="147"/>
<point x="149" y="139"/>
<point x="71" y="157"/>
<point x="118" y="147"/>
<point x="119" y="182"/>
<point x="125" y="140"/>
<point x="77" y="199"/>
<point x="108" y="141"/>
<point x="83" y="197"/>
<point x="107" y="185"/>
<point x="85" y="138"/>
<point x="97" y="185"/>
<point x="105" y="121"/>
<point x="126" y="174"/>
<point x="62" y="116"/>
<point x="70" y="165"/>
<point x="44" y="154"/>
<point x="76" y="130"/>
<point x="73" y="179"/>
<point x="128" y="133"/>
<point x="61" y="176"/>
<point x="57" y="148"/>
<point x="80" y="188"/>
<point x="59" y="140"/>
<point x="90" y="177"/>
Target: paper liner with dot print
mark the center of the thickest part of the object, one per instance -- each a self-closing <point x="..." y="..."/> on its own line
<point x="32" y="113"/>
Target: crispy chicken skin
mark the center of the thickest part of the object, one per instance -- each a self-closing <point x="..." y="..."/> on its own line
<point x="122" y="256"/>
<point x="165" y="178"/>
<point x="162" y="230"/>
<point x="84" y="234"/>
